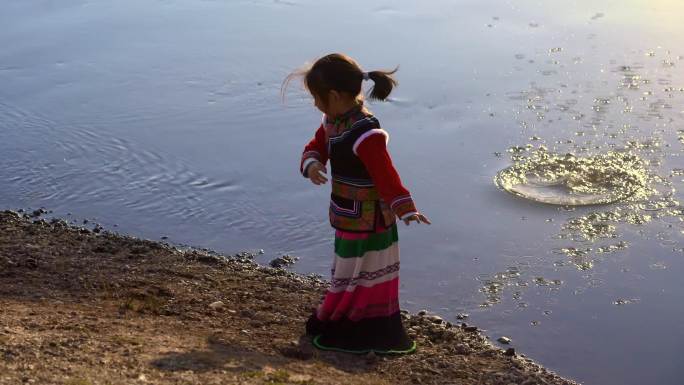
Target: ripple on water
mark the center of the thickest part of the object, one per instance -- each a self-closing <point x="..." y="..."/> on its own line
<point x="567" y="179"/>
<point x="86" y="166"/>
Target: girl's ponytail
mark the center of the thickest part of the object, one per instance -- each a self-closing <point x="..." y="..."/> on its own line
<point x="341" y="73"/>
<point x="384" y="83"/>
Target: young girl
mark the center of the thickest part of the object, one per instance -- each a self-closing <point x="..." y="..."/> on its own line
<point x="360" y="312"/>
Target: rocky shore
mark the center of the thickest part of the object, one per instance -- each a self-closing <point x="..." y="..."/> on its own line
<point x="84" y="307"/>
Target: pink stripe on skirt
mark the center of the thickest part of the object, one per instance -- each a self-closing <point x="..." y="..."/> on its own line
<point x="380" y="300"/>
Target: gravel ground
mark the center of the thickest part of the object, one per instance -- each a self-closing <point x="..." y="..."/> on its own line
<point x="83" y="307"/>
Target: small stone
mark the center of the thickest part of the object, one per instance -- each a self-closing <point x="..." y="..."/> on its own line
<point x="504" y="340"/>
<point x="461" y="349"/>
<point x="39" y="212"/>
<point x="208" y="259"/>
<point x="371" y="357"/>
<point x="462" y="316"/>
<point x="31" y="263"/>
<point x="283" y="261"/>
<point x="467" y="328"/>
<point x="510" y="352"/>
<point x="422" y="312"/>
<point x="297" y="351"/>
<point x="218" y="305"/>
<point x="435" y="319"/>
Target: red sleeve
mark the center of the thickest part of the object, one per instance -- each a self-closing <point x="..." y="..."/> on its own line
<point x="373" y="153"/>
<point x="316" y="149"/>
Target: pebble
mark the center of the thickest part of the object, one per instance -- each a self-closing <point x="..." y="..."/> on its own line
<point x="504" y="340"/>
<point x="510" y="352"/>
<point x="297" y="351"/>
<point x="31" y="263"/>
<point x="467" y="328"/>
<point x="283" y="261"/>
<point x="39" y="212"/>
<point x="462" y="316"/>
<point x="218" y="305"/>
<point x="461" y="349"/>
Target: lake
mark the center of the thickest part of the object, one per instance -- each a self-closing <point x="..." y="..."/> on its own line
<point x="164" y="119"/>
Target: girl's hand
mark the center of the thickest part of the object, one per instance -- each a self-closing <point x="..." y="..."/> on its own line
<point x="418" y="217"/>
<point x="314" y="173"/>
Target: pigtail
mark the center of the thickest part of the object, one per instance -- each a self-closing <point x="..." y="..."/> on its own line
<point x="339" y="72"/>
<point x="298" y="73"/>
<point x="384" y="83"/>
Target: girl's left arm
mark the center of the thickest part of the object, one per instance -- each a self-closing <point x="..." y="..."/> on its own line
<point x="371" y="148"/>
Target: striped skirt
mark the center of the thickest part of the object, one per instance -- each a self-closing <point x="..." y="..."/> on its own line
<point x="360" y="311"/>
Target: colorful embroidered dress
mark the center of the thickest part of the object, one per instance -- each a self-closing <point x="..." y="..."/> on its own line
<point x="360" y="312"/>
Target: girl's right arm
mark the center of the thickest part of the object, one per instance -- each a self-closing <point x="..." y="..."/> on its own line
<point x="315" y="151"/>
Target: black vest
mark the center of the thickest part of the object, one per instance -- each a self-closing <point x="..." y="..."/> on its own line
<point x="354" y="202"/>
<point x="344" y="164"/>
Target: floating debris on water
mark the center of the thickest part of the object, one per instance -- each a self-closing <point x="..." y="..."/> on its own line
<point x="572" y="180"/>
<point x="584" y="265"/>
<point x="541" y="281"/>
<point x="612" y="248"/>
<point x="573" y="252"/>
<point x="625" y="301"/>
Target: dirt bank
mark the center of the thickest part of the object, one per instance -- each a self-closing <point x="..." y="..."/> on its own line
<point x="80" y="307"/>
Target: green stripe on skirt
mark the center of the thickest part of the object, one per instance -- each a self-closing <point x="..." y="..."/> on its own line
<point x="345" y="248"/>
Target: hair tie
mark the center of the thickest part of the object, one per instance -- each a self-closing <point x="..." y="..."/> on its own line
<point x="365" y="75"/>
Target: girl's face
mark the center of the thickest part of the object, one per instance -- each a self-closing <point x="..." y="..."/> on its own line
<point x="338" y="103"/>
<point x="320" y="105"/>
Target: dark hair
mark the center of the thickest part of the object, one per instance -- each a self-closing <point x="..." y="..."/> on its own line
<point x="341" y="73"/>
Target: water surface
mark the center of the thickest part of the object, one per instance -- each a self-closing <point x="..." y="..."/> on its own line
<point x="164" y="118"/>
